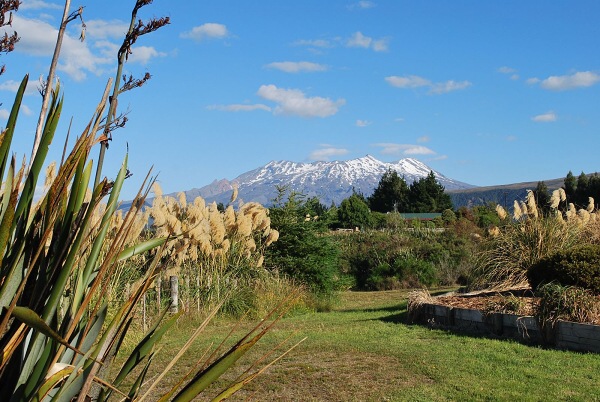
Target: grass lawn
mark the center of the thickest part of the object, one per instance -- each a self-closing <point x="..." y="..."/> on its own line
<point x="364" y="351"/>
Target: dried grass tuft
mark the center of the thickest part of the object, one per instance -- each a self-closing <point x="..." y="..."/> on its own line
<point x="416" y="300"/>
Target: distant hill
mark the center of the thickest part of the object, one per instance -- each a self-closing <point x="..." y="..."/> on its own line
<point x="502" y="194"/>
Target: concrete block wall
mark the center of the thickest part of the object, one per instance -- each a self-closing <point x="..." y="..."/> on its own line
<point x="564" y="335"/>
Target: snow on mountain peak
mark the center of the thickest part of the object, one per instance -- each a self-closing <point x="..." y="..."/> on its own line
<point x="330" y="181"/>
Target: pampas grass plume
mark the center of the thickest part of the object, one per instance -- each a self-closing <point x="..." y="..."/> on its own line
<point x="499" y="210"/>
<point x="563" y="195"/>
<point x="517" y="213"/>
<point x="555" y="199"/>
<point x="531" y="205"/>
<point x="234" y="194"/>
<point x="590" y="207"/>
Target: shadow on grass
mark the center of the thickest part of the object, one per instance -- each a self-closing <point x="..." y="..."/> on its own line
<point x="398" y="318"/>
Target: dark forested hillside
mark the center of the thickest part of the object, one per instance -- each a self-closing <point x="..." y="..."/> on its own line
<point x="503" y="194"/>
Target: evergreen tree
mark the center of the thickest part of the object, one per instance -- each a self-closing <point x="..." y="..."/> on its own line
<point x="391" y="193"/>
<point x="354" y="212"/>
<point x="542" y="197"/>
<point x="427" y="195"/>
<point x="582" y="191"/>
<point x="570" y="185"/>
<point x="594" y="187"/>
<point x="302" y="252"/>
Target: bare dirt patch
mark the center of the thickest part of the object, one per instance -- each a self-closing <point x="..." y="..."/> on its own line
<point x="332" y="377"/>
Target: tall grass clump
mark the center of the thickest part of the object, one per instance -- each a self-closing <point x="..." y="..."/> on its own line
<point x="59" y="326"/>
<point x="511" y="249"/>
<point x="216" y="254"/>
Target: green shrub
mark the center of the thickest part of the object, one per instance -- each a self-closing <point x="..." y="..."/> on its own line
<point x="379" y="260"/>
<point x="304" y="252"/>
<point x="558" y="302"/>
<point x="578" y="266"/>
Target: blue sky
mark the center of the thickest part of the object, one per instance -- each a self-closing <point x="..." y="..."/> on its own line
<point x="486" y="92"/>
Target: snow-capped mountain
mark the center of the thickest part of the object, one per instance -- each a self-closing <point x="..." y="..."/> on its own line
<point x="329" y="181"/>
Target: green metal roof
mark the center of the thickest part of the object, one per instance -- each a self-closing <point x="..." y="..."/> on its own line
<point x="423" y="216"/>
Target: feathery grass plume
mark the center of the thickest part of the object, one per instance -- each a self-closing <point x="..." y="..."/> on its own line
<point x="229" y="219"/>
<point x="555" y="199"/>
<point x="182" y="200"/>
<point x="563" y="195"/>
<point x="517" y="212"/>
<point x="590" y="207"/>
<point x="532" y="209"/>
<point x="234" y="193"/>
<point x="571" y="212"/>
<point x="524" y="209"/>
<point x="272" y="237"/>
<point x="494" y="231"/>
<point x="217" y="228"/>
<point x="243" y="224"/>
<point x="584" y="216"/>
<point x="157" y="189"/>
<point x="499" y="210"/>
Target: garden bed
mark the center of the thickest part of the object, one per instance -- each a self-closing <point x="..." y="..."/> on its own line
<point x="505" y="316"/>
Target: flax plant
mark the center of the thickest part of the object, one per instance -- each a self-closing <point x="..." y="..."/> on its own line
<point x="58" y="333"/>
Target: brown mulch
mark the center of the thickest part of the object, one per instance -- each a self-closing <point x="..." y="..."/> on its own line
<point x="522" y="305"/>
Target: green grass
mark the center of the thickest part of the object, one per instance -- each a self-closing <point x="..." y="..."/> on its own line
<point x="363" y="351"/>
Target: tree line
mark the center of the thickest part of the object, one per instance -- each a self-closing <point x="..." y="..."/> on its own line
<point x="578" y="191"/>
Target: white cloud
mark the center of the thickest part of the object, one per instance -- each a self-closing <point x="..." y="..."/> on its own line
<point x="404" y="149"/>
<point x="506" y="70"/>
<point x="449" y="86"/>
<point x="101" y="29"/>
<point x="325" y="154"/>
<point x="240" y="107"/>
<point x="4" y="114"/>
<point x="361" y="5"/>
<point x="77" y="58"/>
<point x="362" y="123"/>
<point x="26" y="110"/>
<point x="580" y="79"/>
<point x="545" y="118"/>
<point x="206" y="31"/>
<point x="424" y="138"/>
<point x="509" y="70"/>
<point x="411" y="81"/>
<point x="511" y="138"/>
<point x="143" y="54"/>
<point x="13" y="86"/>
<point x="296" y="67"/>
<point x="321" y="43"/>
<point x="414" y="81"/>
<point x="360" y="40"/>
<point x="532" y="81"/>
<point x="38" y="5"/>
<point x="295" y="102"/>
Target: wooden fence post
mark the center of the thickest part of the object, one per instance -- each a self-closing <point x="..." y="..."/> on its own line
<point x="174" y="307"/>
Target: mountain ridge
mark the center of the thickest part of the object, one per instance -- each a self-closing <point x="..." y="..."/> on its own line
<point x="330" y="181"/>
<point x="336" y="180"/>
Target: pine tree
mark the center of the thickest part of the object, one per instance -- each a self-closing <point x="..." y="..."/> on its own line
<point x="427" y="195"/>
<point x="542" y="197"/>
<point x="354" y="212"/>
<point x="391" y="193"/>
